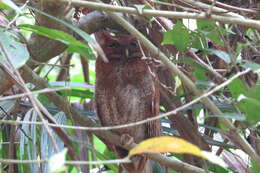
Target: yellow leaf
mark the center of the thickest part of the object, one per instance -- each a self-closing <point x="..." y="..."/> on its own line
<point x="166" y="144"/>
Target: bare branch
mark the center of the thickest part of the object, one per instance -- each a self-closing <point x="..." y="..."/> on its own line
<point x="231" y="19"/>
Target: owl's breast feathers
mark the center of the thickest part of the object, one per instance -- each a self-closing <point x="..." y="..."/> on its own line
<point x="126" y="92"/>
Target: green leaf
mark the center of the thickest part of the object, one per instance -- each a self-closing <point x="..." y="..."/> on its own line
<point x="167" y="37"/>
<point x="198" y="71"/>
<point x="251" y="107"/>
<point x="254" y="92"/>
<point x="178" y="36"/>
<point x="210" y="30"/>
<point x="251" y="65"/>
<point x="107" y="156"/>
<point x="84" y="51"/>
<point x="198" y="42"/>
<point x="255" y="168"/>
<point x="221" y="54"/>
<point x="12" y="5"/>
<point x="78" y="93"/>
<point x="4" y="6"/>
<point x="16" y="51"/>
<point x="73" y="44"/>
<point x="81" y="33"/>
<point x="248" y="101"/>
<point x="51" y="33"/>
<point x="237" y="87"/>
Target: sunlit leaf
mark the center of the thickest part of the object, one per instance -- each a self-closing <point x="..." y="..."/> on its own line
<point x="12" y="5"/>
<point x="166" y="144"/>
<point x="57" y="161"/>
<point x="4" y="6"/>
<point x="175" y="145"/>
<point x="214" y="159"/>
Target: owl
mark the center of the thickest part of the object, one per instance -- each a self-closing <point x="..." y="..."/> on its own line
<point x="126" y="91"/>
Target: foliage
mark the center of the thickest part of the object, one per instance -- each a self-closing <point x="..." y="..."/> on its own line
<point x="209" y="53"/>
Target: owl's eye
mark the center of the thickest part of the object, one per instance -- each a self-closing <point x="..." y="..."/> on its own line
<point x="134" y="44"/>
<point x="114" y="44"/>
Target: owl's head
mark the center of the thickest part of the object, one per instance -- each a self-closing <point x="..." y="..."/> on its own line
<point x="118" y="45"/>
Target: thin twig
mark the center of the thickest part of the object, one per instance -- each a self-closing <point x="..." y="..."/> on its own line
<point x="33" y="93"/>
<point x="235" y="8"/>
<point x="115" y="161"/>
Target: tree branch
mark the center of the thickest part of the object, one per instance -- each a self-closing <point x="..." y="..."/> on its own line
<point x="233" y="19"/>
<point x="69" y="111"/>
<point x="174" y="69"/>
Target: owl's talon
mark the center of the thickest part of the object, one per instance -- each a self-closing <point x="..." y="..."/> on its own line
<point x="126" y="140"/>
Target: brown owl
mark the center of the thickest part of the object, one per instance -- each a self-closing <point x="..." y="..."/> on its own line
<point x="126" y="91"/>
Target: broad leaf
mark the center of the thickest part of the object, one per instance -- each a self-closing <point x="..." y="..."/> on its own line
<point x="166" y="144"/>
<point x="178" y="36"/>
<point x="221" y="54"/>
<point x="78" y="93"/>
<point x="251" y="107"/>
<point x="16" y="51"/>
<point x="210" y="30"/>
<point x="81" y="33"/>
<point x="248" y="100"/>
<point x="251" y="65"/>
<point x="4" y="6"/>
<point x="73" y="44"/>
<point x="237" y="87"/>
